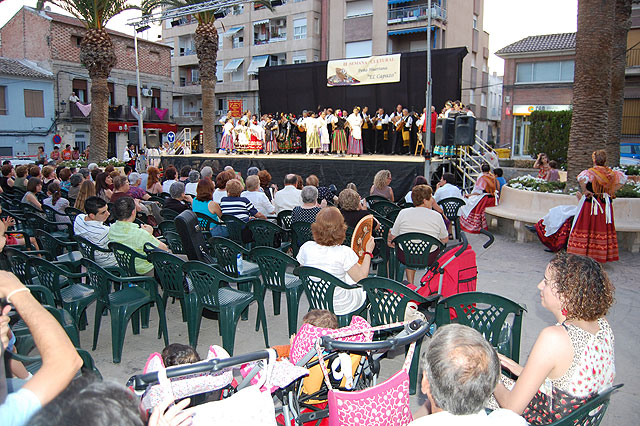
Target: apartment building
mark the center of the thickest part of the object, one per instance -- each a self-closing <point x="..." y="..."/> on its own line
<point x="311" y="30"/>
<point x="52" y="42"/>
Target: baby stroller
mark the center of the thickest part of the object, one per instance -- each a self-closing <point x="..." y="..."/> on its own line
<point x="341" y="395"/>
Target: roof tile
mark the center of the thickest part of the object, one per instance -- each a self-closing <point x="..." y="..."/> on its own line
<point x="16" y="68"/>
<point x="540" y="43"/>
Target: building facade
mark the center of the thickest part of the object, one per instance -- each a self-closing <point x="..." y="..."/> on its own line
<point x="52" y="41"/>
<point x="494" y="108"/>
<point x="631" y="108"/>
<point x="27" y="115"/>
<point x="311" y="30"/>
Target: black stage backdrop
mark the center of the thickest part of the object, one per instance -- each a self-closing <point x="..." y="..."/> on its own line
<point x="338" y="172"/>
<point x="293" y="88"/>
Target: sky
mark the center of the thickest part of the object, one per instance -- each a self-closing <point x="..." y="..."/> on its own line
<point x="506" y="21"/>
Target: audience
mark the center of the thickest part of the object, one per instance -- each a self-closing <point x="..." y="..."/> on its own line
<point x="75" y="181"/>
<point x="258" y="198"/>
<point x="87" y="189"/>
<point x="381" y="187"/>
<point x="20" y="181"/>
<point x="266" y="186"/>
<point x="309" y="209"/>
<point x="179" y="201"/>
<point x="221" y="184"/>
<point x="34" y="186"/>
<point x="7" y="179"/>
<point x="204" y="204"/>
<point x="56" y="202"/>
<point x="192" y="184"/>
<point x="170" y="175"/>
<point x="91" y="227"/>
<point x="103" y="184"/>
<point x="235" y="205"/>
<point x="446" y="188"/>
<point x="351" y="207"/>
<point x="153" y="181"/>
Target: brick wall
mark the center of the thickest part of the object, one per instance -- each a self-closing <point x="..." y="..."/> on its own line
<point x="26" y="36"/>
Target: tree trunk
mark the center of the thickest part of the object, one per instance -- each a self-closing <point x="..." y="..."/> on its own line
<point x="621" y="25"/>
<point x="99" y="139"/>
<point x="592" y="79"/>
<point x="208" y="115"/>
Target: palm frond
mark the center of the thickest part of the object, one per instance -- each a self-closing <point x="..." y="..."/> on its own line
<point x="206" y="16"/>
<point x="95" y="14"/>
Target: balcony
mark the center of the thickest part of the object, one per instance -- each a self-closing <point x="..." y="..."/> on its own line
<point x="75" y="112"/>
<point x="409" y="14"/>
<point x="189" y="118"/>
<point x="115" y="112"/>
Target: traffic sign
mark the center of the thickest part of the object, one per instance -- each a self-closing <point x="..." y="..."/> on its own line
<point x="171" y="137"/>
<point x="57" y="139"/>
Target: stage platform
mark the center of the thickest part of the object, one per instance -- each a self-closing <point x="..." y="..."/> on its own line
<point x="330" y="169"/>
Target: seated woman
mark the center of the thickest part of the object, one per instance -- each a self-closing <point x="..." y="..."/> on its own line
<point x="153" y="181"/>
<point x="542" y="164"/>
<point x="326" y="252"/>
<point x="235" y="205"/>
<point x="87" y="189"/>
<point x="34" y="186"/>
<point x="351" y="207"/>
<point x="472" y="217"/>
<point x="258" y="198"/>
<point x="204" y="204"/>
<point x="103" y="182"/>
<point x="573" y="360"/>
<point x="380" y="186"/>
<point x="309" y="209"/>
<point x="56" y="202"/>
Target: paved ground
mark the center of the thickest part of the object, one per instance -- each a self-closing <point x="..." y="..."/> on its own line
<point x="506" y="268"/>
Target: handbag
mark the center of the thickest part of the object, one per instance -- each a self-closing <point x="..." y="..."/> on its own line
<point x="385" y="404"/>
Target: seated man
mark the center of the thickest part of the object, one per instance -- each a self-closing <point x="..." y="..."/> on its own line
<point x="446" y="188"/>
<point x="419" y="218"/>
<point x="132" y="235"/>
<point x="179" y="201"/>
<point x="461" y="370"/>
<point x="91" y="226"/>
<point x="60" y="361"/>
<point x="289" y="197"/>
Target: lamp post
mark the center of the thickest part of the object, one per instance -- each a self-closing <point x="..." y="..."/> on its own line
<point x="427" y="163"/>
<point x="140" y="120"/>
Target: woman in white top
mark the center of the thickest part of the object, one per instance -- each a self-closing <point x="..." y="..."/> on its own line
<point x="312" y="125"/>
<point x="324" y="132"/>
<point x="241" y="137"/>
<point x="257" y="197"/>
<point x="355" y="136"/>
<point x="226" y="143"/>
<point x="327" y="253"/>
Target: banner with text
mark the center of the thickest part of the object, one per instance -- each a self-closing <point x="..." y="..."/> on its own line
<point x="361" y="71"/>
<point x="235" y="106"/>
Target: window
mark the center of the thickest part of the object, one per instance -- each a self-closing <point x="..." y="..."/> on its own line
<point x="132" y="96"/>
<point x="3" y="100"/>
<point x="170" y="44"/>
<point x="112" y="98"/>
<point x="357" y="49"/>
<point x="220" y="42"/>
<point x="155" y="98"/>
<point x="33" y="103"/>
<point x="471" y="97"/>
<point x="219" y="71"/>
<point x="238" y="74"/>
<point x="76" y="40"/>
<point x="483" y="99"/>
<point x="300" y="59"/>
<point x="316" y="25"/>
<point x="238" y="39"/>
<point x="544" y="72"/>
<point x="631" y="118"/>
<point x="220" y="104"/>
<point x="475" y="22"/>
<point x="195" y="76"/>
<point x="359" y="8"/>
<point x="299" y="28"/>
<point x="80" y="89"/>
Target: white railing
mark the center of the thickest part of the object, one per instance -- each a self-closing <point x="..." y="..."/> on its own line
<point x="415" y="13"/>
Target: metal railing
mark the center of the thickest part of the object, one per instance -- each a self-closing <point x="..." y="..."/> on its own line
<point x="470" y="162"/>
<point x="415" y="13"/>
<point x="633" y="58"/>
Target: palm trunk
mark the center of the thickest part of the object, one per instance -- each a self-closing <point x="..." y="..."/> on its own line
<point x="592" y="79"/>
<point x="208" y="115"/>
<point x="99" y="119"/>
<point x="206" y="39"/>
<point x="621" y="25"/>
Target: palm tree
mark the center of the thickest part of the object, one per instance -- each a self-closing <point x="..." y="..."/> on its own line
<point x="98" y="56"/>
<point x="591" y="84"/>
<point x="206" y="41"/>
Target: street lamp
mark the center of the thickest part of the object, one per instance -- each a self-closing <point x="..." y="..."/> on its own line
<point x="140" y="120"/>
<point x="427" y="163"/>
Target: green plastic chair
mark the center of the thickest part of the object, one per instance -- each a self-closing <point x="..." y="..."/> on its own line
<point x="34" y="363"/>
<point x="319" y="287"/>
<point x="450" y="207"/>
<point x="88" y="250"/>
<point x="273" y="266"/>
<point x="416" y="248"/>
<point x="167" y="225"/>
<point x="55" y="249"/>
<point x="372" y="199"/>
<point x="591" y="413"/>
<point x="301" y="233"/>
<point x="347" y="236"/>
<point x="385" y="266"/>
<point x="284" y="219"/>
<point x="490" y="314"/>
<point x="234" y="227"/>
<point x="69" y="295"/>
<point x="123" y="305"/>
<point x="20" y="266"/>
<point x="174" y="242"/>
<point x="168" y="269"/>
<point x="210" y="293"/>
<point x="387" y="304"/>
<point x="35" y="221"/>
<point x="384" y="208"/>
<point x="268" y="234"/>
<point x="168" y="214"/>
<point x="72" y="212"/>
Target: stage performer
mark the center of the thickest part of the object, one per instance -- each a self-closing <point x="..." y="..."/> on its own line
<point x="407" y="119"/>
<point x="271" y="135"/>
<point x="594" y="233"/>
<point x="256" y="136"/>
<point x="354" y="122"/>
<point x="226" y="143"/>
<point x="302" y="130"/>
<point x="324" y="132"/>
<point x="472" y="217"/>
<point x="241" y="138"/>
<point x="381" y="123"/>
<point x="554" y="228"/>
<point x="395" y="131"/>
<point x="367" y="131"/>
<point x="312" y="125"/>
<point x="339" y="142"/>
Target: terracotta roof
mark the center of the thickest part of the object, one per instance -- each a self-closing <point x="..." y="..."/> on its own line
<point x="541" y="43"/>
<point x="19" y="69"/>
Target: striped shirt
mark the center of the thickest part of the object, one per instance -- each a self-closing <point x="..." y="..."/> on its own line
<point x="239" y="207"/>
<point x="97" y="233"/>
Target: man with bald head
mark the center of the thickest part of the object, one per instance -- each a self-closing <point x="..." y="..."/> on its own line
<point x="289" y="197"/>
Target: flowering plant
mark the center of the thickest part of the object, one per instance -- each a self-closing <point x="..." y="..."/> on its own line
<point x="113" y="161"/>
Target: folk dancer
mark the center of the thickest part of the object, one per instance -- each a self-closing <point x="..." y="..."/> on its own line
<point x="226" y="144"/>
<point x="312" y="126"/>
<point x="367" y="131"/>
<point x="240" y="135"/>
<point x="395" y="136"/>
<point x="130" y="156"/>
<point x="256" y="136"/>
<point x="472" y="217"/>
<point x="594" y="233"/>
<point x="381" y="124"/>
<point x="271" y="135"/>
<point x="406" y="131"/>
<point x="284" y="133"/>
<point x="339" y="142"/>
<point x="324" y="132"/>
<point x="355" y="137"/>
<point x="302" y="131"/>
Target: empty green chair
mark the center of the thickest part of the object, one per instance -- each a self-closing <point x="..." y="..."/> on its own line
<point x="388" y="301"/>
<point x="319" y="287"/>
<point x="268" y="234"/>
<point x="497" y="318"/>
<point x="36" y="221"/>
<point x="450" y="207"/>
<point x="209" y="292"/>
<point x="167" y="225"/>
<point x="301" y="233"/>
<point x="168" y="214"/>
<point x="384" y="208"/>
<point x="372" y="199"/>
<point x="416" y="249"/>
<point x="273" y="266"/>
<point x="121" y="304"/>
<point x="174" y="242"/>
<point x="57" y="249"/>
<point x="284" y="219"/>
<point x="168" y="270"/>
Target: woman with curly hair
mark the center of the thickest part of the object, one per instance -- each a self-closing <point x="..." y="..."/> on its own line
<point x="573" y="360"/>
<point x="380" y="186"/>
<point x="326" y="252"/>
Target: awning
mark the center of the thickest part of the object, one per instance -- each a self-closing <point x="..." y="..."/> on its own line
<point x="409" y="31"/>
<point x="233" y="65"/>
<point x="399" y="1"/>
<point x="261" y="22"/>
<point x="257" y="62"/>
<point x="124" y="126"/>
<point x="231" y="31"/>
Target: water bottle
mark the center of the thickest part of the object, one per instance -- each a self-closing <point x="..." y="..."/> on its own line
<point x="239" y="263"/>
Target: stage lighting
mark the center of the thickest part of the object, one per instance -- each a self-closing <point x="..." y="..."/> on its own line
<point x="142" y="28"/>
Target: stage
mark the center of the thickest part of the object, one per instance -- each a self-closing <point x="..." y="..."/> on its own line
<point x="330" y="169"/>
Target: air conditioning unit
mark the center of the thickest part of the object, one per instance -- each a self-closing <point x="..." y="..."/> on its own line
<point x="281" y="22"/>
<point x="147" y="92"/>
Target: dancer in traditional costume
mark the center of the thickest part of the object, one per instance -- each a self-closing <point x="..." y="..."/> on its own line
<point x="312" y="125"/>
<point x="256" y="137"/>
<point x="270" y="135"/>
<point x="472" y="217"/>
<point x="594" y="233"/>
<point x="355" y="137"/>
<point x="553" y="230"/>
<point x="227" y="136"/>
<point x="241" y="138"/>
<point x="339" y="142"/>
<point x="284" y="134"/>
<point x="324" y="132"/>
